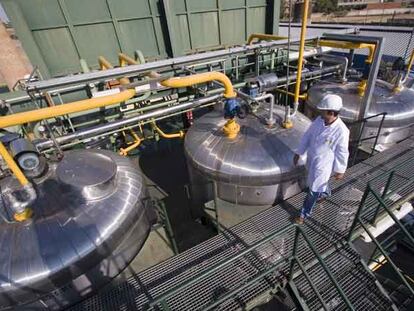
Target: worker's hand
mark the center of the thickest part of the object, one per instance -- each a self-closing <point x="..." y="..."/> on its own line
<point x="296" y="159"/>
<point x="339" y="176"/>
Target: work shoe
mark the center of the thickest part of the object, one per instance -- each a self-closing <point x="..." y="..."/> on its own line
<point x="299" y="220"/>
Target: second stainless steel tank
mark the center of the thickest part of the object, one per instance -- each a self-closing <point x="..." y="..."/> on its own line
<point x="255" y="168"/>
<point x="399" y="107"/>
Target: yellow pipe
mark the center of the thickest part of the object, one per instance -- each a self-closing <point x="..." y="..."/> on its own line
<point x="187" y="81"/>
<point x="55" y="111"/>
<point x="13" y="165"/>
<point x="410" y="63"/>
<point x="303" y="96"/>
<point x="180" y="134"/>
<point x="125" y="59"/>
<point x="202" y="78"/>
<point x="301" y="50"/>
<point x="105" y="64"/>
<point x="137" y="142"/>
<point x="262" y="36"/>
<point x="351" y="46"/>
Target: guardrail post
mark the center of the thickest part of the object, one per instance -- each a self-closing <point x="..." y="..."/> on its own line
<point x="359" y="211"/>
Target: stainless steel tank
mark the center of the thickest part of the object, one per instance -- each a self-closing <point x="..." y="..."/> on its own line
<point x="89" y="222"/>
<point x="256" y="168"/>
<point x="398" y="106"/>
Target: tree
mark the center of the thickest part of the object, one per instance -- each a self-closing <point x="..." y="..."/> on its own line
<point x="325" y="6"/>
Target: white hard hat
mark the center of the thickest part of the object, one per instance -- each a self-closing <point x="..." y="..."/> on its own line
<point x="330" y="102"/>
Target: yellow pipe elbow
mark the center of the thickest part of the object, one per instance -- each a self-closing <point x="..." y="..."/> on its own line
<point x="351" y="46"/>
<point x="60" y="110"/>
<point x="105" y="64"/>
<point x="127" y="60"/>
<point x="124" y="151"/>
<point x="202" y="78"/>
<point x="262" y="36"/>
<point x="180" y="134"/>
<point x="13" y="165"/>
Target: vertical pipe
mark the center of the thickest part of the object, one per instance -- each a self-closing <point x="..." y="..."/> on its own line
<point x="301" y="50"/>
<point x="13" y="165"/>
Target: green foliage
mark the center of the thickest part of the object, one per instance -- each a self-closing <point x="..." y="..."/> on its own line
<point x="325" y="6"/>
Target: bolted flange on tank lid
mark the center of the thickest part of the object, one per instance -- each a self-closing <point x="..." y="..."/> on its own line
<point x="88" y="172"/>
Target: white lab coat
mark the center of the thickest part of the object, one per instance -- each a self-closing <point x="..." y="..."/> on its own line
<point x="327" y="151"/>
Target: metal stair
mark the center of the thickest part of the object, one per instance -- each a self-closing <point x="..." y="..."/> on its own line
<point x="358" y="284"/>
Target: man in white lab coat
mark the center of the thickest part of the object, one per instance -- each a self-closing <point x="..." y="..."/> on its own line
<point x="326" y="146"/>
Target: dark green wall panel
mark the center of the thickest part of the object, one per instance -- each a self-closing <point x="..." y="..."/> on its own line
<point x="57" y="33"/>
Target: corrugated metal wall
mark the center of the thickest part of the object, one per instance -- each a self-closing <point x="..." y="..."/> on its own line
<point x="57" y="33"/>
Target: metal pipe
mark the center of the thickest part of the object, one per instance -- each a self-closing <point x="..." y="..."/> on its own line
<point x="372" y="78"/>
<point x="351" y="45"/>
<point x="270" y="121"/>
<point x="55" y="111"/>
<point x="339" y="60"/>
<point x="125" y="59"/>
<point x="166" y="63"/>
<point x="125" y="122"/>
<point x="301" y="50"/>
<point x="180" y="134"/>
<point x="13" y="165"/>
<point x="202" y="78"/>
<point x="262" y="36"/>
<point x="410" y="64"/>
<point x="134" y="145"/>
<point x="105" y="64"/>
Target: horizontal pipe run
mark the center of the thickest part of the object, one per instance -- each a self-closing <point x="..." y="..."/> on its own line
<point x="263" y="36"/>
<point x="60" y="110"/>
<point x="82" y="134"/>
<point x="166" y="63"/>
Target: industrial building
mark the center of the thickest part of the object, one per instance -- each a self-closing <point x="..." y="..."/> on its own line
<point x="147" y="158"/>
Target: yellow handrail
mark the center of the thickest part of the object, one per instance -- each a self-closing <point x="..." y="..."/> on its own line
<point x="263" y="36"/>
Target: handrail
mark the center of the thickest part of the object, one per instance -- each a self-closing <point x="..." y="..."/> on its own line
<point x="162" y="300"/>
<point x="381" y="203"/>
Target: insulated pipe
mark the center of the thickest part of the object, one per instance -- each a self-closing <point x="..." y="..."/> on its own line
<point x="125" y="59"/>
<point x="410" y="64"/>
<point x="13" y="165"/>
<point x="161" y="64"/>
<point x="134" y="145"/>
<point x="300" y="59"/>
<point x="105" y="64"/>
<point x="55" y="111"/>
<point x="262" y="36"/>
<point x="351" y="46"/>
<point x="202" y="78"/>
<point x="180" y="134"/>
<point x="87" y="133"/>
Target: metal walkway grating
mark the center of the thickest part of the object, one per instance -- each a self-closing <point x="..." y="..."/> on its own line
<point x="359" y="286"/>
<point x="324" y="230"/>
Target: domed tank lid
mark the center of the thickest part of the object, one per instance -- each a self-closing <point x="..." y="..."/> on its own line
<point x="91" y="173"/>
<point x="259" y="155"/>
